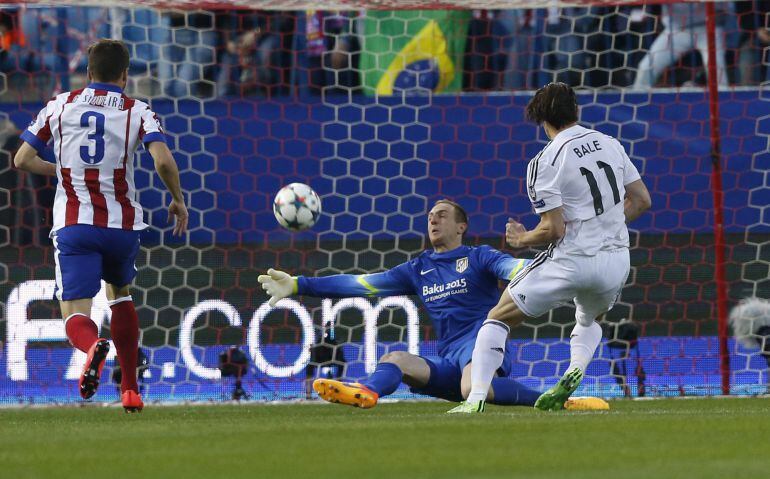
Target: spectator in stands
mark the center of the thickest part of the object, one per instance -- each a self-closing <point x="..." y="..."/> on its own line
<point x="522" y="47"/>
<point x="238" y="28"/>
<point x="684" y="30"/>
<point x="739" y="30"/>
<point x="188" y="41"/>
<point x="753" y="53"/>
<point x="11" y="36"/>
<point x="486" y="51"/>
<point x="16" y="59"/>
<point x="613" y="38"/>
<point x="590" y="47"/>
<point x="623" y="35"/>
<point x="258" y="60"/>
<point x="545" y="45"/>
<point x="53" y="50"/>
<point x="763" y="33"/>
<point x="566" y="35"/>
<point x="332" y="51"/>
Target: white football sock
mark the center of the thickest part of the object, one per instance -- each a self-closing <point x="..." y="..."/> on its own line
<point x="582" y="345"/>
<point x="488" y="354"/>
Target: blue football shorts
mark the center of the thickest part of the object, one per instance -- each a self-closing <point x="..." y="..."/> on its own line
<point x="87" y="254"/>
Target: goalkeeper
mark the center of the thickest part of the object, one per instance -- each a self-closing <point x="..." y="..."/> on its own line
<point x="458" y="285"/>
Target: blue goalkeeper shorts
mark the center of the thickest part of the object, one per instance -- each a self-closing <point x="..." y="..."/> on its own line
<point x="87" y="254"/>
<point x="446" y="371"/>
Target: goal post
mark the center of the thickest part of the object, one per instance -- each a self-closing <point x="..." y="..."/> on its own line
<point x="384" y="108"/>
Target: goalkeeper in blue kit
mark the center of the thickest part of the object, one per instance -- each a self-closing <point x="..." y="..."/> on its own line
<point x="458" y="285"/>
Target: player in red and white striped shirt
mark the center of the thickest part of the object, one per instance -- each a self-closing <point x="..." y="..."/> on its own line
<point x="94" y="133"/>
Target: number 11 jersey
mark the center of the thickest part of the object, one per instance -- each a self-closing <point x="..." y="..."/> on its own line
<point x="584" y="172"/>
<point x="94" y="133"/>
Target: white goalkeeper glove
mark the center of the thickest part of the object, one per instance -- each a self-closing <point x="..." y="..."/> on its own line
<point x="278" y="285"/>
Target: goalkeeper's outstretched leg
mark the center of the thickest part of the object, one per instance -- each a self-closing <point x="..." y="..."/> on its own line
<point x="393" y="369"/>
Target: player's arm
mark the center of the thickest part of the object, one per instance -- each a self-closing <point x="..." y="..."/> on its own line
<point x="637" y="200"/>
<point x="169" y="173"/>
<point x="27" y="159"/>
<point x="550" y="229"/>
<point x="503" y="266"/>
<point x="544" y="193"/>
<point x="637" y="197"/>
<point x="154" y="139"/>
<point x="279" y="284"/>
<point x="35" y="138"/>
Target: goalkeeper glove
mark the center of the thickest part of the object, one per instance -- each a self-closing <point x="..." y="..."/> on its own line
<point x="278" y="285"/>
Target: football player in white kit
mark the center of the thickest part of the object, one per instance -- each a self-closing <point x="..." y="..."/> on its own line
<point x="94" y="132"/>
<point x="585" y="189"/>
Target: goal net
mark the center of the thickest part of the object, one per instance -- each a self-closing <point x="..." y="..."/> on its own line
<point x="383" y="112"/>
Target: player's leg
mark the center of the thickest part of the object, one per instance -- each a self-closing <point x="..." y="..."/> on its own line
<point x="507" y="391"/>
<point x="701" y="43"/>
<point x="584" y="339"/>
<point x="541" y="286"/>
<point x="78" y="280"/>
<point x="392" y="369"/>
<point x="603" y="277"/>
<point x="396" y="367"/>
<point x="124" y="325"/>
<point x="446" y="376"/>
<point x="504" y="391"/>
<point x="81" y="331"/>
<point x="610" y="272"/>
<point x="119" y="271"/>
<point x="658" y="57"/>
<point x="489" y="350"/>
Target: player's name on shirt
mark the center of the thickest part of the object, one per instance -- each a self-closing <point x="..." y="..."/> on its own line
<point x="438" y="291"/>
<point x="111" y="101"/>
<point x="587" y="148"/>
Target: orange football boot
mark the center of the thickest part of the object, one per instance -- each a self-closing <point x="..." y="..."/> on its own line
<point x="351" y="394"/>
<point x="586" y="404"/>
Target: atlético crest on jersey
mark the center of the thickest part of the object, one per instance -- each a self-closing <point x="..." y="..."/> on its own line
<point x="461" y="265"/>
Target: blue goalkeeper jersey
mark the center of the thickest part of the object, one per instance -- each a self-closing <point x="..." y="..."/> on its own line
<point x="458" y="288"/>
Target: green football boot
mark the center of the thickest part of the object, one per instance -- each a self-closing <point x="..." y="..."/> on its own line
<point x="554" y="398"/>
<point x="466" y="407"/>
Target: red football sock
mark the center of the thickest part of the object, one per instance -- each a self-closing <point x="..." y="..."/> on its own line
<point x="81" y="331"/>
<point x="125" y="335"/>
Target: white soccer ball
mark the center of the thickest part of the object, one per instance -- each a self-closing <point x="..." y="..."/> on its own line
<point x="297" y="207"/>
<point x="747" y="317"/>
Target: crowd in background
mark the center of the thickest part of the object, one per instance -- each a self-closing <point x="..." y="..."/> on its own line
<point x="234" y="52"/>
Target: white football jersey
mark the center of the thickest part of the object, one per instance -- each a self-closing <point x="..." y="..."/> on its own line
<point x="95" y="132"/>
<point x="585" y="172"/>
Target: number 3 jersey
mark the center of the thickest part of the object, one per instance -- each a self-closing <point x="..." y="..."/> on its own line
<point x="585" y="172"/>
<point x="94" y="133"/>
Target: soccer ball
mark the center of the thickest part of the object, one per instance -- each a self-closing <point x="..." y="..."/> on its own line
<point x="297" y="207"/>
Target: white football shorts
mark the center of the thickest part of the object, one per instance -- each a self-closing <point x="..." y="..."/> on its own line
<point x="592" y="282"/>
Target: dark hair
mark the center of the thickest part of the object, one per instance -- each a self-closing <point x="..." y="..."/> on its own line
<point x="460" y="215"/>
<point x="555" y="103"/>
<point x="107" y="60"/>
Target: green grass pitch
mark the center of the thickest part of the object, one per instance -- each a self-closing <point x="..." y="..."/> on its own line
<point x="698" y="438"/>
